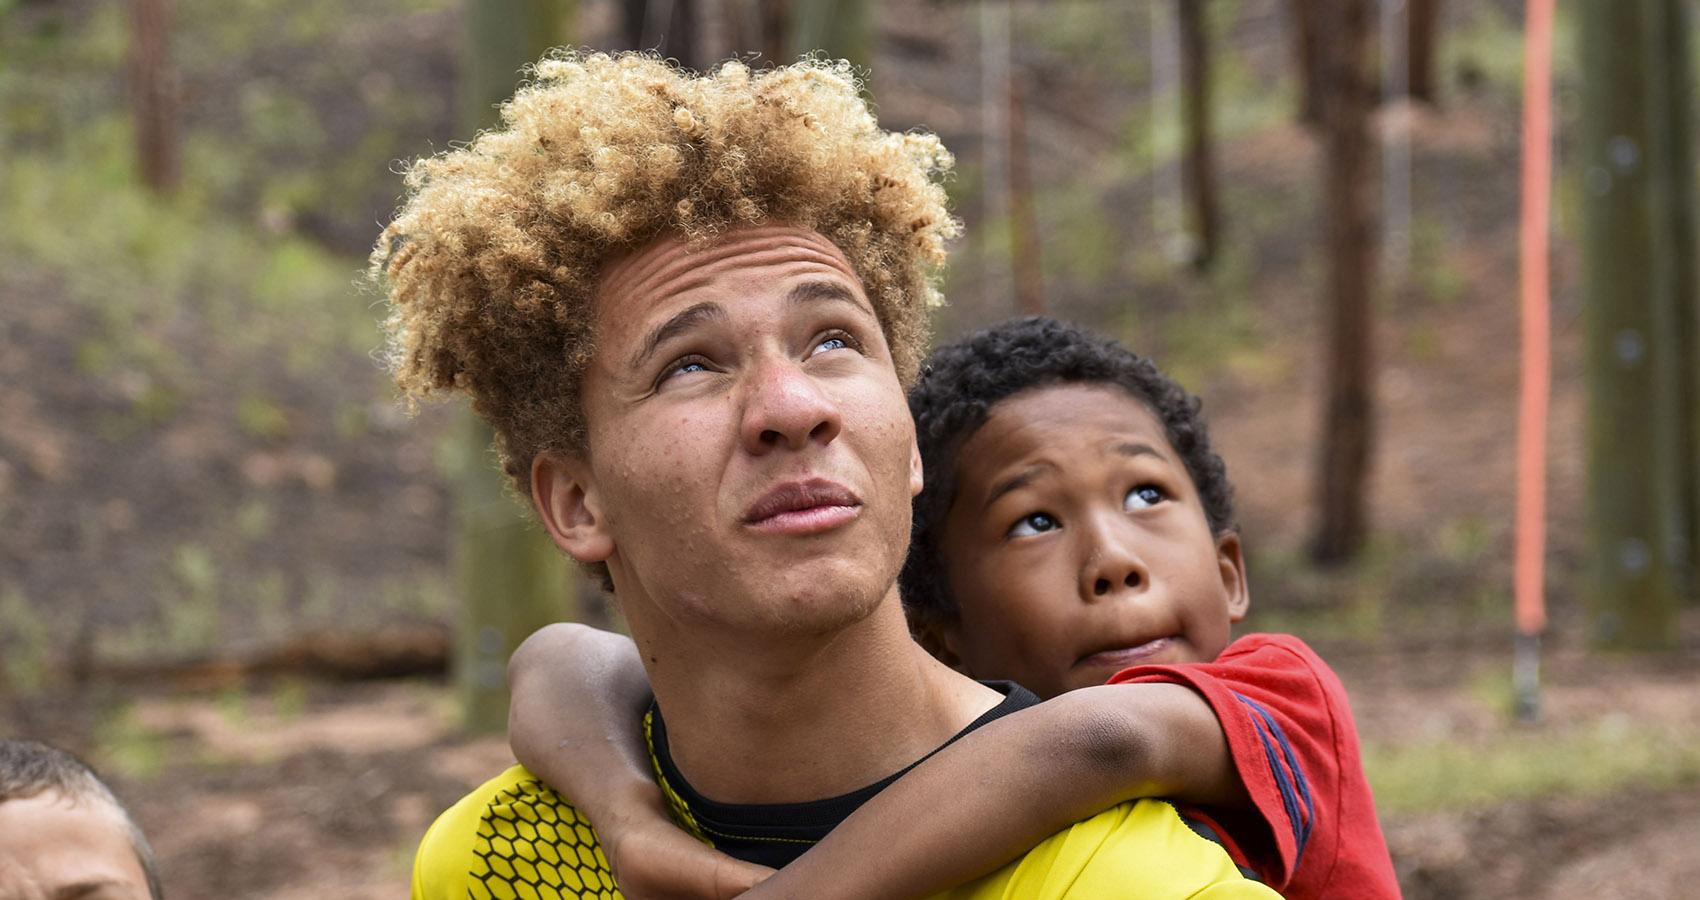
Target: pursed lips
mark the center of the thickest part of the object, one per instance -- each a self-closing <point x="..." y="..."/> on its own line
<point x="803" y="507"/>
<point x="1127" y="654"/>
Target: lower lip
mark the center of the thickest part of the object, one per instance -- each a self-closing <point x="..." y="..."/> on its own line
<point x="803" y="522"/>
<point x="1129" y="656"/>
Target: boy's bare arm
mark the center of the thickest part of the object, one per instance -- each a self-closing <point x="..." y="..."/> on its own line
<point x="1003" y="788"/>
<point x="579" y="695"/>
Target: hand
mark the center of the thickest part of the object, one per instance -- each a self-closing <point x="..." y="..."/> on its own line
<point x="654" y="861"/>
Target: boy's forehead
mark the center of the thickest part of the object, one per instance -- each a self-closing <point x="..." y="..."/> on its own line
<point x="631" y="285"/>
<point x="1057" y="415"/>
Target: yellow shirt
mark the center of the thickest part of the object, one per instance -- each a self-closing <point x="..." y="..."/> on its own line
<point x="515" y="837"/>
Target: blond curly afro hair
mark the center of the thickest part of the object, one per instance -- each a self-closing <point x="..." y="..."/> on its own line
<point x="491" y="263"/>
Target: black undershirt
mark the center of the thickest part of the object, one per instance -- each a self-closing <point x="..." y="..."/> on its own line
<point x="773" y="834"/>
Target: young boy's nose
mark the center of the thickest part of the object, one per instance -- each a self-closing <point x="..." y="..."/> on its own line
<point x="1113" y="567"/>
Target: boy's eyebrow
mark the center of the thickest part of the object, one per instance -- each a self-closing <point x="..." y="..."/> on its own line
<point x="1028" y="475"/>
<point x="1015" y="482"/>
<point x="829" y="291"/>
<point x="683" y="321"/>
<point x="1132" y="448"/>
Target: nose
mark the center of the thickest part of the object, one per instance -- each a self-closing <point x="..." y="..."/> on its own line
<point x="786" y="408"/>
<point x="1113" y="566"/>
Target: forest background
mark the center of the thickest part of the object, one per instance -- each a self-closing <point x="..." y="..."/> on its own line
<point x="226" y="551"/>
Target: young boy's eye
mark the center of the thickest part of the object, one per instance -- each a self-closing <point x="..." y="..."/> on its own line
<point x="1027" y="526"/>
<point x="1144" y="496"/>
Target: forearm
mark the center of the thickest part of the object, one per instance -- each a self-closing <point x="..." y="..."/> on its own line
<point x="578" y="697"/>
<point x="1006" y="787"/>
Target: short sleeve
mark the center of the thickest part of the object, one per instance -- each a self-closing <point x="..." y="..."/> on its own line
<point x="1279" y="707"/>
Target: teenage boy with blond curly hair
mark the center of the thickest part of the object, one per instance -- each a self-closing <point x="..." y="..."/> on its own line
<point x="688" y="306"/>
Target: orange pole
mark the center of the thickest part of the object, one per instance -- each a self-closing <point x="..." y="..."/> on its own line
<point x="1536" y="386"/>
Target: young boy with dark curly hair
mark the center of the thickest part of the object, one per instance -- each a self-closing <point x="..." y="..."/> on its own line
<point x="1075" y="535"/>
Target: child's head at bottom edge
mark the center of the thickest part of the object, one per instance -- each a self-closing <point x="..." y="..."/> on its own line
<point x="1074" y="520"/>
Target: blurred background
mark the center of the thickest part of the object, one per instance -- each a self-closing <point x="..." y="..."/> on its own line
<point x="274" y="607"/>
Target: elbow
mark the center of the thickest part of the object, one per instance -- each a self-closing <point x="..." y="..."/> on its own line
<point x="560" y="637"/>
<point x="1105" y="739"/>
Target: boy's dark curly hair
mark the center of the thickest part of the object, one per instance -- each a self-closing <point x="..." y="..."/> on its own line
<point x="961" y="383"/>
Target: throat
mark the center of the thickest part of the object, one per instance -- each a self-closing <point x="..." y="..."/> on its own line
<point x="843" y="719"/>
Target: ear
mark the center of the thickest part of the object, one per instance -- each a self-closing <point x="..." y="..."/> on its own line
<point x="570" y="507"/>
<point x="1230" y="564"/>
<point x="940" y="639"/>
<point x="916" y="477"/>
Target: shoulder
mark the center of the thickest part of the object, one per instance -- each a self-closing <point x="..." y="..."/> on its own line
<point x="509" y="832"/>
<point x="1143" y="844"/>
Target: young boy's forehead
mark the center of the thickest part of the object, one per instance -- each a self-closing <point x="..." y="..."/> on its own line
<point x="1055" y="415"/>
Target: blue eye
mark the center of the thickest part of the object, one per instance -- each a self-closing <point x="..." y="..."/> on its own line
<point x="1144" y="496"/>
<point x="835" y="340"/>
<point x="1037" y="523"/>
<point x="688" y="365"/>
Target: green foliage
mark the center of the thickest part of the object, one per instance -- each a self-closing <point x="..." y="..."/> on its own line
<point x="191" y="620"/>
<point x="23" y="643"/>
<point x="147" y="271"/>
<point x="129" y="747"/>
<point x="260" y="418"/>
<point x="1587" y="759"/>
<point x="1431" y="269"/>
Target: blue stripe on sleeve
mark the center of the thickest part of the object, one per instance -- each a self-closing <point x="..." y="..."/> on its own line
<point x="1273" y="737"/>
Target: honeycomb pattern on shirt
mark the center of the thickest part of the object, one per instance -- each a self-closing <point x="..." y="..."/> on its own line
<point x="532" y="845"/>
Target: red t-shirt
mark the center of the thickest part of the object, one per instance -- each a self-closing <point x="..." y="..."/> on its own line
<point x="1291" y="735"/>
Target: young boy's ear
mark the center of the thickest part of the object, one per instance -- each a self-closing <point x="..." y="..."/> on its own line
<point x="939" y="639"/>
<point x="570" y="507"/>
<point x="1230" y="563"/>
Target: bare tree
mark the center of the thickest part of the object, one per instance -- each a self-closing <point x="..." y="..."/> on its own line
<point x="1638" y="245"/>
<point x="1307" y="21"/>
<point x="153" y="94"/>
<point x="512" y="580"/>
<point x="1349" y="186"/>
<point x="1421" y="48"/>
<point x="668" y="27"/>
<point x="1025" y="253"/>
<point x="1199" y="170"/>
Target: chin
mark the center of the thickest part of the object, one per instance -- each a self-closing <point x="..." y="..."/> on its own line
<point x="810" y="601"/>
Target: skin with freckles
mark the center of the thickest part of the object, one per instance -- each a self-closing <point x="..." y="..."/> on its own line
<point x="1073" y="559"/>
<point x="748" y="478"/>
<point x="702" y="402"/>
<point x="57" y="848"/>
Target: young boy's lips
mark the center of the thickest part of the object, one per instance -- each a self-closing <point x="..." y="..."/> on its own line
<point x="1123" y="657"/>
<point x="803" y="508"/>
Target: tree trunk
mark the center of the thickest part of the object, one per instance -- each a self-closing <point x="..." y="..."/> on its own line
<point x="1422" y="39"/>
<point x="774" y="24"/>
<point x="842" y="29"/>
<point x="1684" y="235"/>
<point x="1199" y="171"/>
<point x="153" y="94"/>
<point x="512" y="580"/>
<point x="668" y="27"/>
<point x="1638" y="384"/>
<point x="1308" y="22"/>
<point x="1024" y="248"/>
<point x="1349" y="185"/>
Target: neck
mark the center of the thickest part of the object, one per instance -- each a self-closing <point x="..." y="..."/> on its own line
<point x="814" y="717"/>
